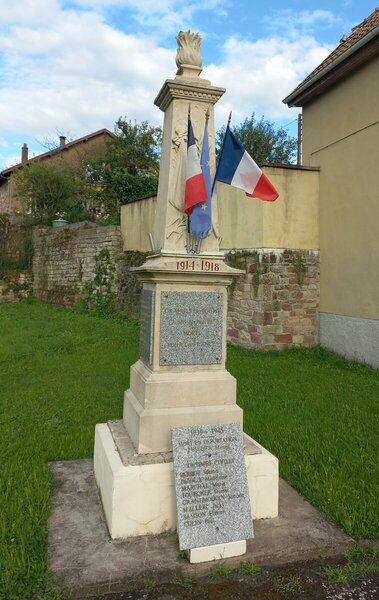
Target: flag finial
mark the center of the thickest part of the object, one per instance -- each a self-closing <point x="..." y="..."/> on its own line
<point x="189" y="112"/>
<point x="230" y="118"/>
<point x="207" y="114"/>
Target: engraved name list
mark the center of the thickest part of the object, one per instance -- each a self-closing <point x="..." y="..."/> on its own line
<point x="191" y="328"/>
<point x="211" y="485"/>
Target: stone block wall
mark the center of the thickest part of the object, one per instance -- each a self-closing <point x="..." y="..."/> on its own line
<point x="16" y="251"/>
<point x="15" y="241"/>
<point x="85" y="262"/>
<point x="275" y="305"/>
<point x="15" y="287"/>
<point x="65" y="265"/>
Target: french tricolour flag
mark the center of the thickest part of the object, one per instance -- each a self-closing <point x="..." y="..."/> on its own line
<point x="237" y="168"/>
<point x="195" y="190"/>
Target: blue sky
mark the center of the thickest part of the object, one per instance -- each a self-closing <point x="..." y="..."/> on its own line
<point x="75" y="66"/>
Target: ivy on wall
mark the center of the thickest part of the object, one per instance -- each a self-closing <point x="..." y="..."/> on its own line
<point x="98" y="293"/>
<point x="300" y="268"/>
<point x="241" y="260"/>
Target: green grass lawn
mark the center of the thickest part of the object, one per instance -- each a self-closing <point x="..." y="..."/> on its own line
<point x="61" y="372"/>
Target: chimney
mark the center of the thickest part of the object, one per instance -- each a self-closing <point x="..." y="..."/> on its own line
<point x="62" y="141"/>
<point x="24" y="154"/>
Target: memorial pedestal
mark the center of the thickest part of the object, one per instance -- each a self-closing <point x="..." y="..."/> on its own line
<point x="138" y="492"/>
<point x="180" y="380"/>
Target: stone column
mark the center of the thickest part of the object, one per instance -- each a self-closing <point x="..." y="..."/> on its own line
<point x="187" y="89"/>
<point x="181" y="378"/>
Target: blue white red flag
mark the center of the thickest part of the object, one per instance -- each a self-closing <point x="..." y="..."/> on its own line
<point x="237" y="168"/>
<point x="200" y="222"/>
<point x="195" y="190"/>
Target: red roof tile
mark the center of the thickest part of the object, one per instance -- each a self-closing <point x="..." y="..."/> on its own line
<point x="68" y="145"/>
<point x="357" y="33"/>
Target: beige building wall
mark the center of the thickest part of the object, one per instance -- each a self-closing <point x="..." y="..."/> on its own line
<point x="289" y="222"/>
<point x="341" y="133"/>
<point x="137" y="221"/>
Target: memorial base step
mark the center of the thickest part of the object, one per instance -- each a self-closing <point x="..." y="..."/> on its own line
<point x="216" y="552"/>
<point x="138" y="492"/>
<point x="150" y="428"/>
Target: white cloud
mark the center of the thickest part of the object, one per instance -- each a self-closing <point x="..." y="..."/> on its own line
<point x="161" y="16"/>
<point x="70" y="70"/>
<point x="31" y="12"/>
<point x="78" y="73"/>
<point x="258" y="75"/>
<point x="290" y="24"/>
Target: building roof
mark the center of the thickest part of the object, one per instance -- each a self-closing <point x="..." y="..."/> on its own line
<point x="56" y="151"/>
<point x="353" y="50"/>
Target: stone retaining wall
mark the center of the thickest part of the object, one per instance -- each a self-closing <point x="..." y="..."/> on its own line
<point x="17" y="286"/>
<point x="82" y="262"/>
<point x="273" y="306"/>
<point x="16" y="251"/>
<point x="15" y="242"/>
<point x="276" y="304"/>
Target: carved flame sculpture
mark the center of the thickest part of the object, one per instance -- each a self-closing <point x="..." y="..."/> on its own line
<point x="189" y="52"/>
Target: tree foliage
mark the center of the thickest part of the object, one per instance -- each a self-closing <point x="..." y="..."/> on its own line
<point x="128" y="170"/>
<point x="135" y="148"/>
<point x="49" y="190"/>
<point x="262" y="140"/>
<point x="130" y="167"/>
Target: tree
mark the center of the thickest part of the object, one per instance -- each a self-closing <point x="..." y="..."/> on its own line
<point x="52" y="142"/>
<point x="49" y="190"/>
<point x="130" y="167"/>
<point x="262" y="141"/>
<point x="135" y="148"/>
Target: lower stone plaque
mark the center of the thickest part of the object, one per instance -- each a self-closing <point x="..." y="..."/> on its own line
<point x="212" y="495"/>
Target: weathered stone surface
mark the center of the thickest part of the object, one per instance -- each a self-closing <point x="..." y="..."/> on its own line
<point x="191" y="328"/>
<point x="212" y="496"/>
<point x="279" y="310"/>
<point x="64" y="264"/>
<point x="129" y="456"/>
<point x="147" y="325"/>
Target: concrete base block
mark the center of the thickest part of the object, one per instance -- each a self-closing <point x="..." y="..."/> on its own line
<point x="137" y="499"/>
<point x="262" y="471"/>
<point x="216" y="552"/>
<point x="138" y="492"/>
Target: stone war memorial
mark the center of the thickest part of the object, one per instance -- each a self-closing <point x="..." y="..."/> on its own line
<point x="179" y="459"/>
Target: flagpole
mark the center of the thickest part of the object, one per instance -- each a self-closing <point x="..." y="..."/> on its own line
<point x="222" y="148"/>
<point x="188" y="221"/>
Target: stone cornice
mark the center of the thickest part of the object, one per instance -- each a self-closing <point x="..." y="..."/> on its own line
<point x="199" y="90"/>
